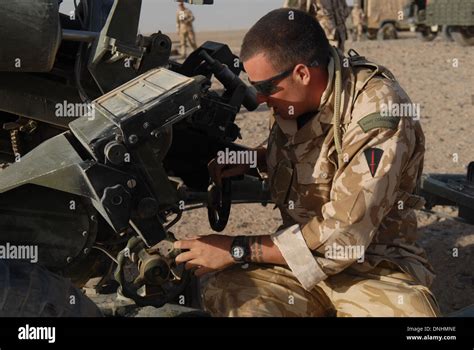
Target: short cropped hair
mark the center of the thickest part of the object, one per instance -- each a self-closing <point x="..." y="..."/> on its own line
<point x="288" y="37"/>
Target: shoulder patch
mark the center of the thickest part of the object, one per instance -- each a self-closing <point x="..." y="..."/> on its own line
<point x="373" y="157"/>
<point x="376" y="120"/>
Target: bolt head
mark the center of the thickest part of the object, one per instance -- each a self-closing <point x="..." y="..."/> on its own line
<point x="118" y="138"/>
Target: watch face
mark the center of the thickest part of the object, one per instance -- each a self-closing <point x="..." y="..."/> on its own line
<point x="237" y="252"/>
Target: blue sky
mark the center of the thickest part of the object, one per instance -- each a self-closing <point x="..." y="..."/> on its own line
<point x="223" y="15"/>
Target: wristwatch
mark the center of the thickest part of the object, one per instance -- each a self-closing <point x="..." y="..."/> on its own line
<point x="240" y="249"/>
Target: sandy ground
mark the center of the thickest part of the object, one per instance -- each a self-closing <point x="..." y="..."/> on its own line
<point x="440" y="77"/>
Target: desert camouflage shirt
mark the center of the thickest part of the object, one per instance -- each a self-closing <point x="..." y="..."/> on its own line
<point x="332" y="15"/>
<point x="358" y="16"/>
<point x="328" y="211"/>
<point x="303" y="5"/>
<point x="184" y="20"/>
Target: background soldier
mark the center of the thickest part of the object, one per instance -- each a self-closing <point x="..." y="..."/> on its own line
<point x="184" y="26"/>
<point x="332" y="15"/>
<point x="303" y="5"/>
<point x="358" y="18"/>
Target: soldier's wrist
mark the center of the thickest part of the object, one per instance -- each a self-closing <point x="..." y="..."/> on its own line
<point x="255" y="249"/>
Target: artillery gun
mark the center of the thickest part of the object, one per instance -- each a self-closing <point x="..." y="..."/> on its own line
<point x="103" y="185"/>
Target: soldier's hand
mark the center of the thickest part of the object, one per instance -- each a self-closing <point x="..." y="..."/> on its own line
<point x="219" y="171"/>
<point x="205" y="254"/>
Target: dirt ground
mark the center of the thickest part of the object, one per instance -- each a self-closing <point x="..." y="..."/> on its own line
<point x="438" y="75"/>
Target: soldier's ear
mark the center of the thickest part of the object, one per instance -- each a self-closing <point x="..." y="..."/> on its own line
<point x="302" y="74"/>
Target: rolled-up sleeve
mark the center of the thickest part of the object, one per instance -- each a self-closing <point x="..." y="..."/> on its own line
<point x="298" y="256"/>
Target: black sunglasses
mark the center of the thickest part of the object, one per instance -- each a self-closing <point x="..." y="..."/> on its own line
<point x="269" y="86"/>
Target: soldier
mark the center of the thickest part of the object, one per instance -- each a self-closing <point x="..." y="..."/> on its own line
<point x="332" y="15"/>
<point x="184" y="27"/>
<point x="342" y="169"/>
<point x="303" y="5"/>
<point x="358" y="18"/>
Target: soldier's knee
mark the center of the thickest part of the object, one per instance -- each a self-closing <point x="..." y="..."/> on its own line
<point x="424" y="302"/>
<point x="390" y="302"/>
<point x="230" y="293"/>
<point x="260" y="292"/>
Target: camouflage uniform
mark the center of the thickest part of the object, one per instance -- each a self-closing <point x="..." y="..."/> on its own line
<point x="303" y="5"/>
<point x="332" y="15"/>
<point x="184" y="26"/>
<point x="358" y="17"/>
<point x="365" y="201"/>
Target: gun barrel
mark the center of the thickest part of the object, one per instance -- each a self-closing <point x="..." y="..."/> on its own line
<point x="231" y="81"/>
<point x="79" y="35"/>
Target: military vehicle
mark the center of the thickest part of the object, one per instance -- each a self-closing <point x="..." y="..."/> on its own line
<point x="384" y="19"/>
<point x="105" y="143"/>
<point x="453" y="18"/>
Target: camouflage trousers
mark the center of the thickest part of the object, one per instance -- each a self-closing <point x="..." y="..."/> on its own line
<point x="359" y="31"/>
<point x="273" y="291"/>
<point x="186" y="36"/>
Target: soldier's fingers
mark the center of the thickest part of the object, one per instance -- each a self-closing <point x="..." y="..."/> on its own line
<point x="186" y="256"/>
<point x="202" y="271"/>
<point x="234" y="171"/>
<point x="192" y="264"/>
<point x="215" y="171"/>
<point x="188" y="244"/>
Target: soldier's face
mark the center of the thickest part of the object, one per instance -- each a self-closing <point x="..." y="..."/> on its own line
<point x="294" y="94"/>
